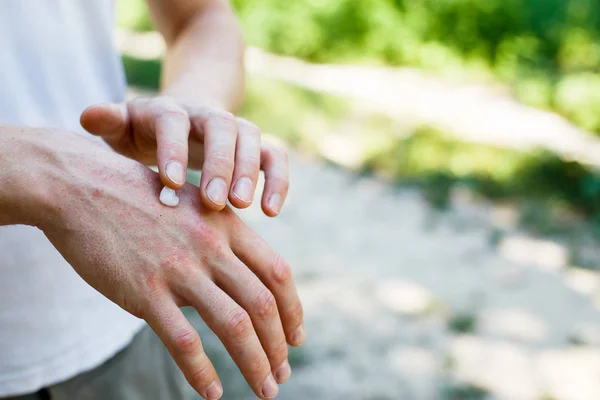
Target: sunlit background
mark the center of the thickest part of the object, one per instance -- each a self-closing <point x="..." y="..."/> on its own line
<point x="444" y="217"/>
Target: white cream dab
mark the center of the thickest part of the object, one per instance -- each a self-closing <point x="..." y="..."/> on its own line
<point x="168" y="197"/>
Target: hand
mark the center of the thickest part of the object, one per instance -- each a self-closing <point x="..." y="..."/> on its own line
<point x="165" y="132"/>
<point x="151" y="259"/>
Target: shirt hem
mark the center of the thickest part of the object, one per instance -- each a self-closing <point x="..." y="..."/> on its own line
<point x="64" y="368"/>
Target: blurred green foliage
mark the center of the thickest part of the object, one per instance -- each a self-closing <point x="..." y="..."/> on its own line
<point x="463" y="323"/>
<point x="134" y="15"/>
<point x="551" y="57"/>
<point x="441" y="162"/>
<point x="142" y="73"/>
<point x="547" y="50"/>
<point x="463" y="391"/>
<point x="540" y="181"/>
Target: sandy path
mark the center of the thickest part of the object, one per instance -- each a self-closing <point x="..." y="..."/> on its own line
<point x="381" y="276"/>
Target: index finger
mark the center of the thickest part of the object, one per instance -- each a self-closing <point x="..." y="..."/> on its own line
<point x="276" y="274"/>
<point x="171" y="126"/>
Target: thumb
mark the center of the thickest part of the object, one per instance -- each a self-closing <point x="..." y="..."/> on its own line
<point x="109" y="120"/>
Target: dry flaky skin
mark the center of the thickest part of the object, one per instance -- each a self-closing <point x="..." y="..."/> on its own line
<point x="150" y="259"/>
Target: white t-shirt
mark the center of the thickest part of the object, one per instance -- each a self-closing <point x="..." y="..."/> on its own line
<point x="56" y="58"/>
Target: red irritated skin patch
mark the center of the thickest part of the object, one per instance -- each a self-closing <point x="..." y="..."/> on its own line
<point x="169" y="197"/>
<point x="151" y="259"/>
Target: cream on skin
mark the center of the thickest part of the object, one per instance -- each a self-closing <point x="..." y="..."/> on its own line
<point x="169" y="197"/>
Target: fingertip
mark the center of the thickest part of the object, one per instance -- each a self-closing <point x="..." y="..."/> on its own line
<point x="298" y="337"/>
<point x="242" y="193"/>
<point x="207" y="203"/>
<point x="237" y="203"/>
<point x="169" y="183"/>
<point x="102" y="119"/>
<point x="215" y="194"/>
<point x="173" y="174"/>
<point x="268" y="212"/>
<point x="271" y="204"/>
<point x="88" y="116"/>
<point x="214" y="391"/>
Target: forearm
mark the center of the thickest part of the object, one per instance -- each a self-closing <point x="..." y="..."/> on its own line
<point x="22" y="186"/>
<point x="204" y="61"/>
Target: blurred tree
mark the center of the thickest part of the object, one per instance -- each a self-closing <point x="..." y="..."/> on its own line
<point x="548" y="50"/>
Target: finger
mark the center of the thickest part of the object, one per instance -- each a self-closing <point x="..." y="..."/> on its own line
<point x="171" y="126"/>
<point x="108" y="120"/>
<point x="185" y="346"/>
<point x="274" y="162"/>
<point x="233" y="326"/>
<point x="276" y="274"/>
<point x="250" y="293"/>
<point x="218" y="130"/>
<point x="247" y="164"/>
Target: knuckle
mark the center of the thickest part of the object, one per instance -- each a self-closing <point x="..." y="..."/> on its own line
<point x="165" y="106"/>
<point x="285" y="185"/>
<point x="282" y="272"/>
<point x="256" y="365"/>
<point x="179" y="146"/>
<point x="139" y="101"/>
<point x="221" y="115"/>
<point x="283" y="154"/>
<point x="250" y="161"/>
<point x="297" y="312"/>
<point x="264" y="305"/>
<point x="280" y="353"/>
<point x="202" y="376"/>
<point x="174" y="113"/>
<point x="187" y="342"/>
<point x="209" y="238"/>
<point x="248" y="128"/>
<point x="222" y="119"/>
<point x="176" y="267"/>
<point x="219" y="251"/>
<point x="152" y="281"/>
<point x="279" y="152"/>
<point x="222" y="161"/>
<point x="239" y="324"/>
<point x="279" y="183"/>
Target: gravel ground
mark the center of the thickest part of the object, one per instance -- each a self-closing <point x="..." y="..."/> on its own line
<point x="402" y="302"/>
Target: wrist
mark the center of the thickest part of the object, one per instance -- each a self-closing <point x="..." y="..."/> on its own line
<point x="23" y="188"/>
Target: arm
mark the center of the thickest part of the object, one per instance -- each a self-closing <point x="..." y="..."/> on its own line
<point x="21" y="192"/>
<point x="191" y="123"/>
<point x="204" y="60"/>
<point x="100" y="210"/>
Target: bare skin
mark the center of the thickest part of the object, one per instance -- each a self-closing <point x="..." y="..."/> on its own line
<point x="190" y="123"/>
<point x="101" y="211"/>
<point x="175" y="134"/>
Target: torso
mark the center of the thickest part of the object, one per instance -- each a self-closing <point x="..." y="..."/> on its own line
<point x="56" y="58"/>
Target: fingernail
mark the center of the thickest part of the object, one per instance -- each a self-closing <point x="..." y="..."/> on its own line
<point x="275" y="202"/>
<point x="214" y="391"/>
<point x="299" y="335"/>
<point x="243" y="189"/>
<point x="270" y="388"/>
<point x="175" y="172"/>
<point x="216" y="191"/>
<point x="284" y="372"/>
